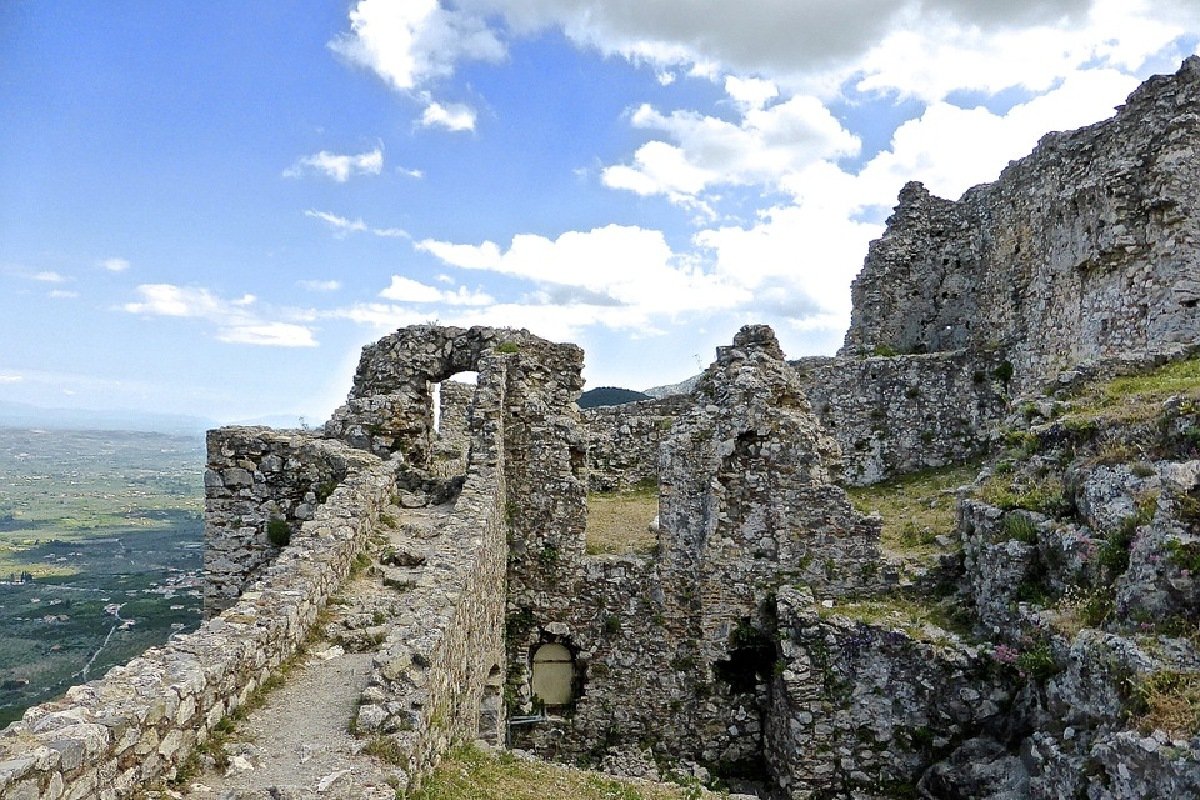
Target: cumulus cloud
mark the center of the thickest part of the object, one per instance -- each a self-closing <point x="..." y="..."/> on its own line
<point x="614" y="265"/>
<point x="769" y="37"/>
<point x="409" y="43"/>
<point x="338" y="167"/>
<point x="11" y="378"/>
<point x="766" y="143"/>
<point x="62" y="294"/>
<point x="406" y="290"/>
<point x="48" y="276"/>
<point x="115" y="264"/>
<point x="233" y="320"/>
<point x="951" y="149"/>
<point x="452" y="117"/>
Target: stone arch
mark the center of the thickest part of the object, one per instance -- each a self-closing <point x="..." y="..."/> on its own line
<point x="391" y="405"/>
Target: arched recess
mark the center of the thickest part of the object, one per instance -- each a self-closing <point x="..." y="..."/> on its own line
<point x="553" y="680"/>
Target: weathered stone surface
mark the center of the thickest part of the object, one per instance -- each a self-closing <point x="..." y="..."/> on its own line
<point x="1082" y="251"/>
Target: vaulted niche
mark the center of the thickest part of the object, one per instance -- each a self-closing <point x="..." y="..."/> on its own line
<point x="553" y="675"/>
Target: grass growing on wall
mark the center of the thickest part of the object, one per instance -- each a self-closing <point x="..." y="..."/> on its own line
<point x="619" y="522"/>
<point x="915" y="508"/>
<point x="471" y="774"/>
<point x="1136" y="397"/>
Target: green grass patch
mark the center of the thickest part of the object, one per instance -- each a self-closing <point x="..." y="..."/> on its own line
<point x="913" y="617"/>
<point x="619" y="522"/>
<point x="471" y="774"/>
<point x="1136" y="397"/>
<point x="915" y="508"/>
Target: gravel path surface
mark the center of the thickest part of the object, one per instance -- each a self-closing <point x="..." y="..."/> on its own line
<point x="298" y="743"/>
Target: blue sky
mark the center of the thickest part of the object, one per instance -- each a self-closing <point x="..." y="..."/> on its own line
<point x="209" y="208"/>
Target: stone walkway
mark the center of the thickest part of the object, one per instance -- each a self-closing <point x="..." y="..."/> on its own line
<point x="299" y="744"/>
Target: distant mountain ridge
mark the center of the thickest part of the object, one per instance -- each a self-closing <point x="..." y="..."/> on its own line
<point x="610" y="396"/>
<point x="685" y="386"/>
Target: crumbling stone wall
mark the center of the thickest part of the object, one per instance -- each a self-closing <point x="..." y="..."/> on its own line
<point x="390" y="407"/>
<point x="623" y="441"/>
<point x="900" y="414"/>
<point x="678" y="650"/>
<point x="257" y="476"/>
<point x="863" y="708"/>
<point x="138" y="724"/>
<point x="1083" y="250"/>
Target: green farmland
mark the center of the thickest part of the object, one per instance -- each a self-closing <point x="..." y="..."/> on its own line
<point x="100" y="553"/>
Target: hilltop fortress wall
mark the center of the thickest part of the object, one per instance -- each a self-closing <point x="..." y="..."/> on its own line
<point x="714" y="654"/>
<point x="139" y="724"/>
<point x="1083" y="251"/>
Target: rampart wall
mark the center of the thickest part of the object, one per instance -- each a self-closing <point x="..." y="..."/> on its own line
<point x="257" y="477"/>
<point x="438" y="676"/>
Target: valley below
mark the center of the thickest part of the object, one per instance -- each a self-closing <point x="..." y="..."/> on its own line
<point x="100" y="553"/>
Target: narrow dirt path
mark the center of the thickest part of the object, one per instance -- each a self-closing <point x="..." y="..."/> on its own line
<point x="298" y="743"/>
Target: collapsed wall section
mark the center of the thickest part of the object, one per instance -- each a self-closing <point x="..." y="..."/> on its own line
<point x="260" y="486"/>
<point x="1085" y="250"/>
<point x="139" y="724"/>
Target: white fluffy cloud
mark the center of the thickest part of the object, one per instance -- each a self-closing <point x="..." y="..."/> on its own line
<point x="338" y="167"/>
<point x="11" y="378"/>
<point x="406" y="290"/>
<point x="234" y="320"/>
<point x="764" y="145"/>
<point x="610" y="266"/>
<point x="770" y="37"/>
<point x="452" y="117"/>
<point x="115" y="264"/>
<point x="411" y="42"/>
<point x="951" y="149"/>
<point x="48" y="276"/>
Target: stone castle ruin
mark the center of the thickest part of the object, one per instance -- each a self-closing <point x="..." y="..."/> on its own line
<point x="732" y="650"/>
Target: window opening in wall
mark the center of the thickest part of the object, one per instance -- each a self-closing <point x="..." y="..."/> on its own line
<point x="436" y="394"/>
<point x="553" y="675"/>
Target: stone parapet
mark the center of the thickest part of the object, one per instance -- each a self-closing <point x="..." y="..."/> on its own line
<point x="260" y="486"/>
